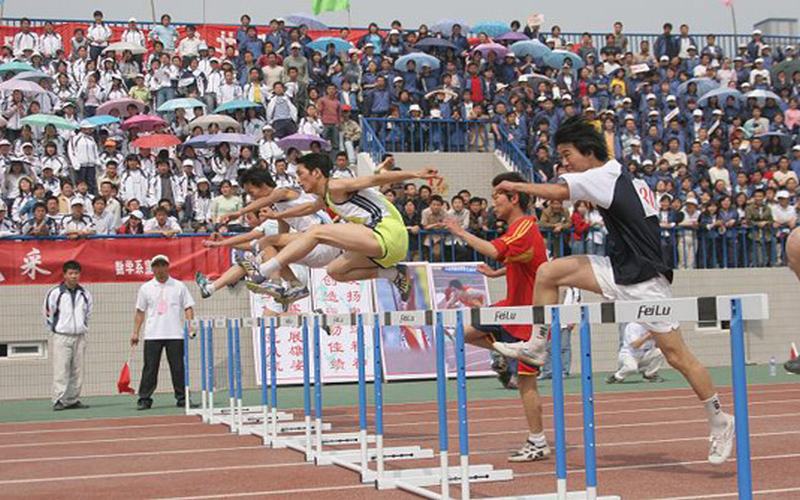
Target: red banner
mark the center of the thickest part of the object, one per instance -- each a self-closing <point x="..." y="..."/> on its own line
<point x="36" y="262"/>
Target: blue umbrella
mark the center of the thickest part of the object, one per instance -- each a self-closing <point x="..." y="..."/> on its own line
<point x="238" y="139"/>
<point x="198" y="142"/>
<point x="237" y="104"/>
<point x="15" y="67"/>
<point x="722" y="94"/>
<point x="533" y="48"/>
<point x="445" y="26"/>
<point x="102" y="120"/>
<point x="34" y="76"/>
<point x="556" y="58"/>
<point x="180" y="103"/>
<point x="491" y="28"/>
<point x="420" y="58"/>
<point x="786" y="139"/>
<point x="762" y="95"/>
<point x="434" y="43"/>
<point x="704" y="85"/>
<point x="301" y="18"/>
<point x="321" y="44"/>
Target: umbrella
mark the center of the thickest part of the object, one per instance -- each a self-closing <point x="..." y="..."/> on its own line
<point x="144" y="123"/>
<point x="238" y="139"/>
<point x="180" y="103"/>
<point x="15" y="67"/>
<point x="223" y="121"/>
<point x="491" y="28"/>
<point x="301" y="18"/>
<point x="435" y="43"/>
<point x="420" y="58"/>
<point x="302" y="142"/>
<point x="445" y="26"/>
<point x="760" y="95"/>
<point x="121" y="105"/>
<point x="449" y="94"/>
<point x="484" y="48"/>
<point x="236" y="104"/>
<point x="21" y="85"/>
<point x="704" y="85"/>
<point x="100" y="120"/>
<point x="534" y="79"/>
<point x="512" y="36"/>
<point x="40" y="120"/>
<point x="789" y="67"/>
<point x="135" y="49"/>
<point x="199" y="141"/>
<point x="156" y="141"/>
<point x="556" y="58"/>
<point x="321" y="44"/>
<point x="786" y="139"/>
<point x="722" y="93"/>
<point x="33" y="76"/>
<point x="533" y="48"/>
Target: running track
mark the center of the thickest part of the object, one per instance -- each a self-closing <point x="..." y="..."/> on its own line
<point x="650" y="445"/>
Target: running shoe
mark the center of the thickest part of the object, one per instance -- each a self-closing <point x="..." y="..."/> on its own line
<point x="267" y="287"/>
<point x="722" y="443"/>
<point x="295" y="293"/>
<point x="202" y="281"/>
<point x="499" y="363"/>
<point x="513" y="383"/>
<point x="533" y="352"/>
<point x="402" y="283"/>
<point x="792" y="366"/>
<point x="530" y="452"/>
<point x="655" y="378"/>
<point x="612" y="379"/>
<point x="252" y="267"/>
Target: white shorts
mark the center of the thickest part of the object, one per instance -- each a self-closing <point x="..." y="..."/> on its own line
<point x="321" y="256"/>
<point x="655" y="288"/>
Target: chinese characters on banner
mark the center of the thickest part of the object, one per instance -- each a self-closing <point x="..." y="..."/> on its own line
<point x="338" y="348"/>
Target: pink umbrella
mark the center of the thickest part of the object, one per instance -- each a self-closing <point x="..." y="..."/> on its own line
<point x="156" y="141"/>
<point x="485" y="48"/>
<point x="512" y="36"/>
<point x="121" y="105"/>
<point x="302" y="142"/>
<point x="23" y="86"/>
<point x="144" y="123"/>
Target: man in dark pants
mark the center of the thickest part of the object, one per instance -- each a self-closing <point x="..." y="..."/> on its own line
<point x="162" y="305"/>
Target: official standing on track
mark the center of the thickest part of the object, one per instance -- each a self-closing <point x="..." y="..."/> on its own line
<point x="162" y="305"/>
<point x="67" y="309"/>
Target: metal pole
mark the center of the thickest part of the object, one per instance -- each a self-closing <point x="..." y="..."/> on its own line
<point x="203" y="372"/>
<point x="743" y="472"/>
<point x="317" y="389"/>
<point x="262" y="330"/>
<point x="238" y="359"/>
<point x="558" y="405"/>
<point x="362" y="396"/>
<point x="186" y="367"/>
<point x="463" y="430"/>
<point x="307" y="388"/>
<point x="273" y="380"/>
<point x="587" y="392"/>
<point x="441" y="399"/>
<point x="210" y="357"/>
<point x="231" y="381"/>
<point x="378" y="368"/>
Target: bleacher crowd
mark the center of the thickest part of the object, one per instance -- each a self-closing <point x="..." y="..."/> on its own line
<point x="88" y="119"/>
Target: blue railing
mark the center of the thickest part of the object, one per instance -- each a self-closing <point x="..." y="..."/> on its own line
<point x="19" y="237"/>
<point x="518" y="159"/>
<point x="370" y="143"/>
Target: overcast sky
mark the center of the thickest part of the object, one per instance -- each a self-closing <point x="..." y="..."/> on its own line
<point x="638" y="15"/>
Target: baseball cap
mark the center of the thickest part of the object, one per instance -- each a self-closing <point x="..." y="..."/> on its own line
<point x="132" y="20"/>
<point x="4" y="142"/>
<point x="716" y="112"/>
<point x="138" y="214"/>
<point x="110" y="142"/>
<point x="296" y="45"/>
<point x="650" y="96"/>
<point x="671" y="98"/>
<point x="759" y="60"/>
<point x="202" y="179"/>
<point x="369" y="45"/>
<point x="697" y="112"/>
<point x="3" y="207"/>
<point x="188" y="162"/>
<point x="414" y="107"/>
<point x="796" y="148"/>
<point x="397" y="79"/>
<point x="691" y="200"/>
<point x="86" y="124"/>
<point x="627" y="99"/>
<point x="756" y="32"/>
<point x="267" y="127"/>
<point x="76" y="202"/>
<point x="636" y="142"/>
<point x="782" y="194"/>
<point x="394" y="32"/>
<point x="663" y="58"/>
<point x="346" y="108"/>
<point x="160" y="258"/>
<point x="27" y="145"/>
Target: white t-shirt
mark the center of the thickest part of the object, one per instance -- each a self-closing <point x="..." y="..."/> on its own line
<point x="164" y="305"/>
<point x="170" y="225"/>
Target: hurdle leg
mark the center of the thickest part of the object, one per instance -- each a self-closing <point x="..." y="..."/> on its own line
<point x="317" y="389"/>
<point x="463" y="430"/>
<point x="558" y="405"/>
<point x="210" y="368"/>
<point x="203" y="373"/>
<point x="262" y="338"/>
<point x="362" y="396"/>
<point x="273" y="380"/>
<point x="186" y="405"/>
<point x="307" y="391"/>
<point x="441" y="398"/>
<point x="238" y="373"/>
<point x="587" y="392"/>
<point x="378" y="381"/>
<point x="743" y="471"/>
<point x="231" y="381"/>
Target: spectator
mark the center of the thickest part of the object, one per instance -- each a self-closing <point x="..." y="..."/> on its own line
<point x="162" y="306"/>
<point x="162" y="223"/>
<point x="7" y="226"/>
<point x="580" y="228"/>
<point x="77" y="224"/>
<point x="555" y="221"/>
<point x="39" y="224"/>
<point x="759" y="218"/>
<point x="226" y="203"/>
<point x="432" y="220"/>
<point x="133" y="223"/>
<point x="67" y="311"/>
<point x="638" y="354"/>
<point x="456" y="248"/>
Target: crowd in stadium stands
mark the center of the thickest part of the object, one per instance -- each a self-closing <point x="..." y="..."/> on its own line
<point x="715" y="135"/>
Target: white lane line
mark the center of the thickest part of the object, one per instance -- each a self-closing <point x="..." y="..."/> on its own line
<point x="273" y="492"/>
<point x="127" y="455"/>
<point x="120" y="440"/>
<point x="93" y="429"/>
<point x="733" y="495"/>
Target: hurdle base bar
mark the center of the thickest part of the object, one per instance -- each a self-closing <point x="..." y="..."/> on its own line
<point x="431" y="476"/>
<point x="572" y="495"/>
<point x="289" y="427"/>
<point x="342" y="457"/>
<point x="257" y="411"/>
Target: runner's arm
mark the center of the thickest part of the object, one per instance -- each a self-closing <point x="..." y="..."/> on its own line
<point x="234" y="241"/>
<point x="479" y="244"/>
<point x="299" y="211"/>
<point x="368" y="181"/>
<point x="279" y="194"/>
<point x="558" y="191"/>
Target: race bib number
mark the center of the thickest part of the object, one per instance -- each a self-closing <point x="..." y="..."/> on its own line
<point x="646" y="197"/>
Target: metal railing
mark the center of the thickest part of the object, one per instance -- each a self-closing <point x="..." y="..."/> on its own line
<point x="370" y="143"/>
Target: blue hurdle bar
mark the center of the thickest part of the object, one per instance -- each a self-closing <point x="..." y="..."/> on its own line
<point x="378" y="381"/>
<point x="362" y="395"/>
<point x="441" y="398"/>
<point x="317" y="389"/>
<point x="262" y="344"/>
<point x="273" y="379"/>
<point x="463" y="430"/>
<point x="210" y="368"/>
<point x="203" y="372"/>
<point x="231" y="381"/>
<point x="743" y="473"/>
<point x="187" y="405"/>
<point x="237" y="357"/>
<point x="587" y="392"/>
<point x="307" y="389"/>
<point x="558" y="405"/>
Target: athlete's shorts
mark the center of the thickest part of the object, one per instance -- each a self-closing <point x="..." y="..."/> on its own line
<point x="320" y="256"/>
<point x="652" y="289"/>
<point x="500" y="334"/>
<point x="392" y="236"/>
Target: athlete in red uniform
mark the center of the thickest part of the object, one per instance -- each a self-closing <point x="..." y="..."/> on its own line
<point x="522" y="250"/>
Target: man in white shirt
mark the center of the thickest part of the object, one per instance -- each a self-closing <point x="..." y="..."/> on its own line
<point x="162" y="305"/>
<point x="162" y="224"/>
<point x="84" y="155"/>
<point x="50" y="42"/>
<point x="98" y="34"/>
<point x="77" y="224"/>
<point x="188" y="47"/>
<point x="133" y="34"/>
<point x="25" y="39"/>
<point x="229" y="90"/>
<point x="638" y="354"/>
<point x="67" y="309"/>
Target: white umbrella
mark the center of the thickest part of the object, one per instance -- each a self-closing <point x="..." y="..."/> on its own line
<point x="762" y="95"/>
<point x="223" y="121"/>
<point x="123" y="46"/>
<point x="24" y="86"/>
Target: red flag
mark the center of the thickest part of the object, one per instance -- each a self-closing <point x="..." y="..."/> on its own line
<point x="727" y="3"/>
<point x="124" y="381"/>
<point x="793" y="352"/>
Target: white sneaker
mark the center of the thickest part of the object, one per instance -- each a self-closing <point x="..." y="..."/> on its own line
<point x="530" y="453"/>
<point x="722" y="443"/>
<point x="533" y="352"/>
